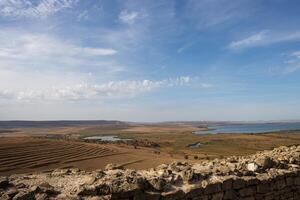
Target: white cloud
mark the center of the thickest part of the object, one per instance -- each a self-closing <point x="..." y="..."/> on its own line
<point x="206" y="85"/>
<point x="29" y="8"/>
<point x="128" y="17"/>
<point x="112" y="89"/>
<point x="264" y="38"/>
<point x="210" y="13"/>
<point x="296" y="54"/>
<point x="27" y="50"/>
<point x="290" y="65"/>
<point x="249" y="41"/>
<point x="293" y="63"/>
<point x="83" y="16"/>
<point x="96" y="51"/>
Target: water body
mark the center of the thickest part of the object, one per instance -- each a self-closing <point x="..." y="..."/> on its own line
<point x="195" y="145"/>
<point x="110" y="138"/>
<point x="250" y="128"/>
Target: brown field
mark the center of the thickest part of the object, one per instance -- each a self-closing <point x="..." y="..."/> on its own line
<point x="28" y="150"/>
<point x="28" y="154"/>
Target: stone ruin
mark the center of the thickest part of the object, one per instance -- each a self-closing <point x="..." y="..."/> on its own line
<point x="265" y="175"/>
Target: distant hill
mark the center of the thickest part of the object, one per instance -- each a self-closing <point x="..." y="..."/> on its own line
<point x="51" y="124"/>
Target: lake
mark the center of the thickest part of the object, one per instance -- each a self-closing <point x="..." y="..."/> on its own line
<point x="250" y="128"/>
<point x="110" y="138"/>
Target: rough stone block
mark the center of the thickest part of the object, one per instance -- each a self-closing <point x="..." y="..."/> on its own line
<point x="280" y="184"/>
<point x="195" y="193"/>
<point x="217" y="196"/>
<point x="174" y="195"/>
<point x="238" y="184"/>
<point x="204" y="197"/>
<point x="263" y="188"/>
<point x="249" y="191"/>
<point x="297" y="181"/>
<point x="227" y="184"/>
<point x="251" y="181"/>
<point x="289" y="181"/>
<point x="247" y="198"/>
<point x="230" y="194"/>
<point x="213" y="188"/>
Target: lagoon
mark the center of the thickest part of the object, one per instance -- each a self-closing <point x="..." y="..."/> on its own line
<point x="250" y="128"/>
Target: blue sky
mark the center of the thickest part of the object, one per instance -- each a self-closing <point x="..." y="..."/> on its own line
<point x="150" y="60"/>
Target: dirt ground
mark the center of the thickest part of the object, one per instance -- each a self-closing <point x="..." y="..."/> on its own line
<point x="28" y="154"/>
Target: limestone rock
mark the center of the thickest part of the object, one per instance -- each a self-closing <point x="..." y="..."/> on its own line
<point x="252" y="167"/>
<point x="265" y="162"/>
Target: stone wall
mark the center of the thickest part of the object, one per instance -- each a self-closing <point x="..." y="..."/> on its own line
<point x="266" y="175"/>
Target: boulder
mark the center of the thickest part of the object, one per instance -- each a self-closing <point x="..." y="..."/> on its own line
<point x="264" y="162"/>
<point x="252" y="167"/>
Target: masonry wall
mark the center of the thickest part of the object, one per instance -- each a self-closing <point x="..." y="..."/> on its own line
<point x="284" y="186"/>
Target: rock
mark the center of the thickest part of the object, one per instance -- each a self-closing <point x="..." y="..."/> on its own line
<point x="20" y="185"/>
<point x="263" y="188"/>
<point x="173" y="195"/>
<point x="103" y="189"/>
<point x="113" y="166"/>
<point x="12" y="192"/>
<point x="162" y="167"/>
<point x="4" y="183"/>
<point x="158" y="183"/>
<point x="252" y="167"/>
<point x="217" y="196"/>
<point x="264" y="162"/>
<point x="238" y="183"/>
<point x="249" y="191"/>
<point x="89" y="180"/>
<point x="88" y="191"/>
<point x="229" y="195"/>
<point x="41" y="196"/>
<point x="67" y="197"/>
<point x="47" y="189"/>
<point x="60" y="172"/>
<point x="227" y="184"/>
<point x="24" y="195"/>
<point x="213" y="188"/>
<point x="4" y="197"/>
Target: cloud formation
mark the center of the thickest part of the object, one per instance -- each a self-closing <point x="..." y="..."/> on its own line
<point x="209" y="13"/>
<point x="27" y="8"/>
<point x="293" y="63"/>
<point x="29" y="50"/>
<point x="249" y="41"/>
<point x="129" y="17"/>
<point x="112" y="89"/>
<point x="263" y="38"/>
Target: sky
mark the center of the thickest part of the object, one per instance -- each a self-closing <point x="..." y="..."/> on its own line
<point x="145" y="60"/>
